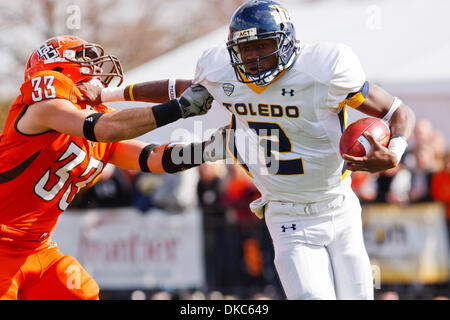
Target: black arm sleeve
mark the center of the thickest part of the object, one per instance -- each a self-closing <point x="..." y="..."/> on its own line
<point x="181" y="157"/>
<point x="89" y="125"/>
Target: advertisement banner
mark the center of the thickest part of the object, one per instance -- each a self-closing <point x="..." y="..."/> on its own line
<point x="407" y="244"/>
<point x="125" y="248"/>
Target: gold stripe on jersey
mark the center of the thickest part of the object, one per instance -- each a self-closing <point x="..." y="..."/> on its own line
<point x="344" y="174"/>
<point x="232" y="128"/>
<point x="356" y="99"/>
<point x="344" y="117"/>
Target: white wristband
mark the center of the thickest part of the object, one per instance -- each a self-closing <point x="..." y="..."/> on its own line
<point x="172" y="88"/>
<point x="113" y="94"/>
<point x="398" y="145"/>
<point x="394" y="106"/>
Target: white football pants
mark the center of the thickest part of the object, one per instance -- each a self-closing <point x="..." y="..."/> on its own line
<point x="320" y="255"/>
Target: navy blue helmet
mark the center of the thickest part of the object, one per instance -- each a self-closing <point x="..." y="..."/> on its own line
<point x="258" y="20"/>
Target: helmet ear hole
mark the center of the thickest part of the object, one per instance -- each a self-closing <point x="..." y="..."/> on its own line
<point x="58" y="69"/>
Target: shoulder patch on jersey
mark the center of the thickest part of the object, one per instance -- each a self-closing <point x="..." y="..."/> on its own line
<point x="228" y="88"/>
<point x="47" y="85"/>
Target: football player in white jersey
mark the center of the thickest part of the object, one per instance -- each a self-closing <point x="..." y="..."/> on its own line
<point x="288" y="101"/>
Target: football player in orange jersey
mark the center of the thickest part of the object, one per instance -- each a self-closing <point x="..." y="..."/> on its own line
<point x="53" y="144"/>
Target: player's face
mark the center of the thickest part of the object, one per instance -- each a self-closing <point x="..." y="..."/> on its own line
<point x="258" y="49"/>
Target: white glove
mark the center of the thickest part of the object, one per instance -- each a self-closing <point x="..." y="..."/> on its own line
<point x="215" y="148"/>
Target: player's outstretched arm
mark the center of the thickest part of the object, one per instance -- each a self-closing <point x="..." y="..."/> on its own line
<point x="62" y="116"/>
<point x="401" y="120"/>
<point x="158" y="91"/>
<point x="168" y="158"/>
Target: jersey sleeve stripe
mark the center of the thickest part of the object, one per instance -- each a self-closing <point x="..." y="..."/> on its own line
<point x="343" y="122"/>
<point x="343" y="118"/>
<point x="355" y="99"/>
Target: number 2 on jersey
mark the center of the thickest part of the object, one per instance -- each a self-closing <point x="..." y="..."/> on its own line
<point x="282" y="144"/>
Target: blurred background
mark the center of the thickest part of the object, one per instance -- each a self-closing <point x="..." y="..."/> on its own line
<point x="191" y="235"/>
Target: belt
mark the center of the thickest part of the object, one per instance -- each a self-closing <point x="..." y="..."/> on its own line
<point x="311" y="208"/>
<point x="19" y="235"/>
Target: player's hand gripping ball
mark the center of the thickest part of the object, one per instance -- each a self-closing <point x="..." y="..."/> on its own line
<point x="354" y="143"/>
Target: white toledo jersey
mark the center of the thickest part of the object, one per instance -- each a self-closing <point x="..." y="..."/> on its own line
<point x="287" y="133"/>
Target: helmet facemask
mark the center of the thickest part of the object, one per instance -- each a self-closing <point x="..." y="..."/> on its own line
<point x="93" y="63"/>
<point x="283" y="55"/>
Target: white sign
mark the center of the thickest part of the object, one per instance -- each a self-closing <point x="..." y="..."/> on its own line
<point x="125" y="248"/>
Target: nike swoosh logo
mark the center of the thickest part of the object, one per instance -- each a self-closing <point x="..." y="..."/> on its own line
<point x="17" y="171"/>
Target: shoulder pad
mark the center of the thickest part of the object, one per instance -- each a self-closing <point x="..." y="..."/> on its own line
<point x="47" y="85"/>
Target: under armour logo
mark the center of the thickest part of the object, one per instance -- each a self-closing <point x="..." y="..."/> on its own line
<point x="291" y="92"/>
<point x="284" y="228"/>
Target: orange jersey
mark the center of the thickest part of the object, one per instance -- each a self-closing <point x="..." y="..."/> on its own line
<point x="40" y="174"/>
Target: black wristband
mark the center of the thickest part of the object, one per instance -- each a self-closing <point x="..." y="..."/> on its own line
<point x="143" y="157"/>
<point x="166" y="113"/>
<point x="89" y="125"/>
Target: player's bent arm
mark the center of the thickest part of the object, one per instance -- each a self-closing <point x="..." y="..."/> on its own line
<point x="379" y="102"/>
<point x="169" y="158"/>
<point x="62" y="116"/>
<point x="401" y="120"/>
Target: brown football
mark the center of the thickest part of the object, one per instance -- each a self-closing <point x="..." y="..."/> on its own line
<point x="353" y="141"/>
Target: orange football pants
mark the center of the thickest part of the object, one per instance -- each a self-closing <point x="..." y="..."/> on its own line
<point x="33" y="270"/>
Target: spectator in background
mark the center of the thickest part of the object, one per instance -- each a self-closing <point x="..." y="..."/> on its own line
<point x="423" y="132"/>
<point x="145" y="184"/>
<point x="364" y="184"/>
<point x="393" y="185"/>
<point x="177" y="192"/>
<point x="173" y="193"/>
<point x="423" y="135"/>
<point x="439" y="146"/>
<point x="425" y="166"/>
<point x="113" y="189"/>
<point x="253" y="247"/>
<point x="440" y="185"/>
<point x="209" y="189"/>
<point x="216" y="246"/>
<point x="239" y="191"/>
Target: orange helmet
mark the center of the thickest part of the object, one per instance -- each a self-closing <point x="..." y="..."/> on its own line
<point x="75" y="58"/>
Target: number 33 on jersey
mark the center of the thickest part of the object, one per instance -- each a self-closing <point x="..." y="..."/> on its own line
<point x="74" y="161"/>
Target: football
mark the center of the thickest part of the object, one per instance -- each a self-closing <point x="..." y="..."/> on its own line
<point x="353" y="141"/>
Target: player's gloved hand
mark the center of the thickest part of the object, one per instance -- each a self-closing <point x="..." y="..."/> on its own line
<point x="215" y="148"/>
<point x="195" y="101"/>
